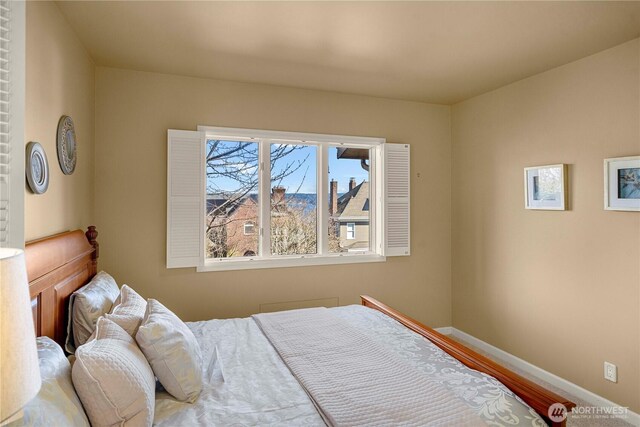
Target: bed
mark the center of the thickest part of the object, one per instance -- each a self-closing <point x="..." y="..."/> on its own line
<point x="234" y="394"/>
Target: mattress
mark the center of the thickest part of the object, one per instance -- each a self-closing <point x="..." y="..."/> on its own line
<point x="247" y="384"/>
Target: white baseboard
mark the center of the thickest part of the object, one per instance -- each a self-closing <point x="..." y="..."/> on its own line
<point x="537" y="372"/>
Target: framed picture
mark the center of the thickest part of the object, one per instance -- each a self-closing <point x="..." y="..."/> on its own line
<point x="622" y="184"/>
<point x="545" y="187"/>
<point x="67" y="145"/>
<point x="37" y="168"/>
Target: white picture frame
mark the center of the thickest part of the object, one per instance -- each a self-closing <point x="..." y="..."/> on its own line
<point x="545" y="187"/>
<point x="622" y="184"/>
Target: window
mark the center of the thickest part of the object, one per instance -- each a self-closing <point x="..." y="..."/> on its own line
<point x="249" y="229"/>
<point x="351" y="230"/>
<point x="349" y="199"/>
<point x="232" y="202"/>
<point x="293" y="199"/>
<point x="277" y="199"/>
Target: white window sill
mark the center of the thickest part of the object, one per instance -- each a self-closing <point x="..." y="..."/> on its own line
<point x="250" y="263"/>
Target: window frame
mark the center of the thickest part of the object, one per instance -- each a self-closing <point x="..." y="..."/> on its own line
<point x="265" y="138"/>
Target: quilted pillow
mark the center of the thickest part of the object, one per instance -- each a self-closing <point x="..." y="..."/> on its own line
<point x="57" y="403"/>
<point x="128" y="310"/>
<point x="172" y="350"/>
<point x="86" y="305"/>
<point x="113" y="379"/>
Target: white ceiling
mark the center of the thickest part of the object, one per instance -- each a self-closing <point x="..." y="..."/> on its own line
<point x="441" y="52"/>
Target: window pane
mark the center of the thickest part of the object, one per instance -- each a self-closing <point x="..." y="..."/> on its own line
<point x="349" y="196"/>
<point x="232" y="199"/>
<point x="351" y="230"/>
<point x="293" y="199"/>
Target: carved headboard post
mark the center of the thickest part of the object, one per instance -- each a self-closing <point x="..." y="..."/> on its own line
<point x="92" y="235"/>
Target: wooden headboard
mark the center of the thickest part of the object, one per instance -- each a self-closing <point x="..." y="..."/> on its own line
<point x="56" y="267"/>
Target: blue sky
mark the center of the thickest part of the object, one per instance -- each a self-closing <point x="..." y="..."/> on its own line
<point x="304" y="178"/>
<point x="343" y="169"/>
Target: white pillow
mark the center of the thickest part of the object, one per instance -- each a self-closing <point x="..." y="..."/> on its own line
<point x="86" y="305"/>
<point x="128" y="310"/>
<point x="113" y="379"/>
<point x="57" y="403"/>
<point x="172" y="350"/>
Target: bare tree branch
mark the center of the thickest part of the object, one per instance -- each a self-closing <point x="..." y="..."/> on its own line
<point x="236" y="164"/>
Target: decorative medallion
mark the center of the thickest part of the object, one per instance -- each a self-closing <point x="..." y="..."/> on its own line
<point x="66" y="145"/>
<point x="37" y="168"/>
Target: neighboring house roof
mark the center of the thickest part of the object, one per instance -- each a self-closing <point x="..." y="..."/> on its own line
<point x="353" y="153"/>
<point x="352" y="205"/>
<point x="216" y="201"/>
<point x="355" y="203"/>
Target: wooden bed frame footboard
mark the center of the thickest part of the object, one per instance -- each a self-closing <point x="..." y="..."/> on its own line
<point x="536" y="396"/>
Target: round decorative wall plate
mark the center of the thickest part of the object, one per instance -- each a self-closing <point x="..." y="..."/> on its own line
<point x="37" y="168"/>
<point x="66" y="142"/>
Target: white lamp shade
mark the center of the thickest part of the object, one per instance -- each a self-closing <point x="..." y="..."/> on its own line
<point x="19" y="371"/>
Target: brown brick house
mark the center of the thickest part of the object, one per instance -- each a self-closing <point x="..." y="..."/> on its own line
<point x="237" y="227"/>
<point x="235" y="232"/>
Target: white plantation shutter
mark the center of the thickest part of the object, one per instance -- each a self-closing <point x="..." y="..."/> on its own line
<point x="185" y="198"/>
<point x="12" y="178"/>
<point x="396" y="204"/>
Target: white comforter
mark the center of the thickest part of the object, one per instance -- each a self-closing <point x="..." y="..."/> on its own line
<point x="247" y="384"/>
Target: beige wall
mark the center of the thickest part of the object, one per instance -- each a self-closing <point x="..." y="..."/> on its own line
<point x="60" y="81"/>
<point x="558" y="289"/>
<point x="134" y="111"/>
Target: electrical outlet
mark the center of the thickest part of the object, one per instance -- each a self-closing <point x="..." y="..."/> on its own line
<point x="610" y="372"/>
